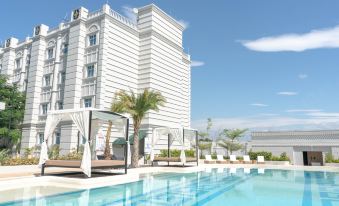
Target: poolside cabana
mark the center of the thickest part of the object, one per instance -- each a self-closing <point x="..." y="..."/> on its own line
<point x="181" y="135"/>
<point x="88" y="121"/>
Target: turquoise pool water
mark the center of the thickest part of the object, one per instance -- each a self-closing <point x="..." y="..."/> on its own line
<point x="223" y="187"/>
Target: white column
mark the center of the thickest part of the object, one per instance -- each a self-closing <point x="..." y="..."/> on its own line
<point x="56" y="73"/>
<point x="33" y="92"/>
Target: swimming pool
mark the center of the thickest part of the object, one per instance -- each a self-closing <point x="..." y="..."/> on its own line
<point x="236" y="187"/>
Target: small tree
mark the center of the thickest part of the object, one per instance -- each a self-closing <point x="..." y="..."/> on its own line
<point x="205" y="141"/>
<point x="137" y="105"/>
<point x="230" y="138"/>
<point x="12" y="116"/>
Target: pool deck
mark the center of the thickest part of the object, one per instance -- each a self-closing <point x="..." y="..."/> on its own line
<point x="14" y="179"/>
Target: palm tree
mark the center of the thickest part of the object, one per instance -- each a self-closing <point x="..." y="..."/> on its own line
<point x="232" y="136"/>
<point x="137" y="105"/>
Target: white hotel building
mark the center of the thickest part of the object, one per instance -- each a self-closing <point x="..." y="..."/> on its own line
<point x="83" y="62"/>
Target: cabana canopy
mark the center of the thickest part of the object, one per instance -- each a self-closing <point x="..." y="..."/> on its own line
<point x="83" y="119"/>
<point x="179" y="134"/>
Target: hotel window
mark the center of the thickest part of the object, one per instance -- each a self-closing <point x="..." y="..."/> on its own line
<point x="44" y="109"/>
<point x="57" y="137"/>
<point x="92" y="39"/>
<point x="91" y="56"/>
<point x="50" y="53"/>
<point x="48" y="67"/>
<point x="47" y="81"/>
<point x="28" y="59"/>
<point x="62" y="77"/>
<point x="16" y="76"/>
<point x="60" y="105"/>
<point x="90" y="71"/>
<point x="65" y="49"/>
<point x="40" y="138"/>
<point x="88" y="102"/>
<point x="45" y="96"/>
<point x="18" y="63"/>
<point x="88" y="89"/>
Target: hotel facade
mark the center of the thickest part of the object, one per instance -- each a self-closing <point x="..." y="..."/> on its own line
<point x="83" y="62"/>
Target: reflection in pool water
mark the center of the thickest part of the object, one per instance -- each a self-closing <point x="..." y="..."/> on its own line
<point x="211" y="188"/>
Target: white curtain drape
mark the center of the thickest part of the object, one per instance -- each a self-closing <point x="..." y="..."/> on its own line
<point x="156" y="135"/>
<point x="81" y="120"/>
<point x="51" y="122"/>
<point x="178" y="135"/>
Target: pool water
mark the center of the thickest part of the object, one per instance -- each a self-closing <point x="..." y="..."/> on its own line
<point x="236" y="187"/>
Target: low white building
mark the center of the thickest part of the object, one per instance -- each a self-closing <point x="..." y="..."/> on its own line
<point x="83" y="62"/>
<point x="302" y="147"/>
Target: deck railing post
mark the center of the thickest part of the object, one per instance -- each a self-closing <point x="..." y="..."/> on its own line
<point x="126" y="148"/>
<point x="43" y="169"/>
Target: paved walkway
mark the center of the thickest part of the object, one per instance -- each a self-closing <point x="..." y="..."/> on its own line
<point x="27" y="170"/>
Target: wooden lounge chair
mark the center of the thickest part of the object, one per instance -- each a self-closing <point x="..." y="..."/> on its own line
<point x="233" y="159"/>
<point x="221" y="160"/>
<point x="260" y="160"/>
<point x="246" y="159"/>
<point x="208" y="160"/>
<point x="95" y="164"/>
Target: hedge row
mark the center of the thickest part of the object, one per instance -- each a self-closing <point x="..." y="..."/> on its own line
<point x="176" y="153"/>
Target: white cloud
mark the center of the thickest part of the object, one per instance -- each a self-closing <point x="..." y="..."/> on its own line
<point x="268" y="114"/>
<point x="323" y="114"/>
<point x="197" y="63"/>
<point x="302" y="76"/>
<point x="183" y="23"/>
<point x="129" y="13"/>
<point x="259" y="105"/>
<point x="287" y="93"/>
<point x="271" y="123"/>
<point x="315" y="39"/>
<point x="303" y="110"/>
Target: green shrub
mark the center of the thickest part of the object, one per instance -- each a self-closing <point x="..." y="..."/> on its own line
<point x="254" y="155"/>
<point x="190" y="153"/>
<point x="3" y="156"/>
<point x="214" y="155"/>
<point x="240" y="157"/>
<point x="330" y="159"/>
<point x="20" y="161"/>
<point x="53" y="152"/>
<point x="176" y="153"/>
<point x="284" y="157"/>
<point x="28" y="151"/>
<point x="73" y="155"/>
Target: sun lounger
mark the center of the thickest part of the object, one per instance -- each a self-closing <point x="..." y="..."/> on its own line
<point x="233" y="159"/>
<point x="260" y="160"/>
<point x="221" y="160"/>
<point x="208" y="160"/>
<point x="247" y="159"/>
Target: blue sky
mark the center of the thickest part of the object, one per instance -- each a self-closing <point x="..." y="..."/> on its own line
<point x="263" y="64"/>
